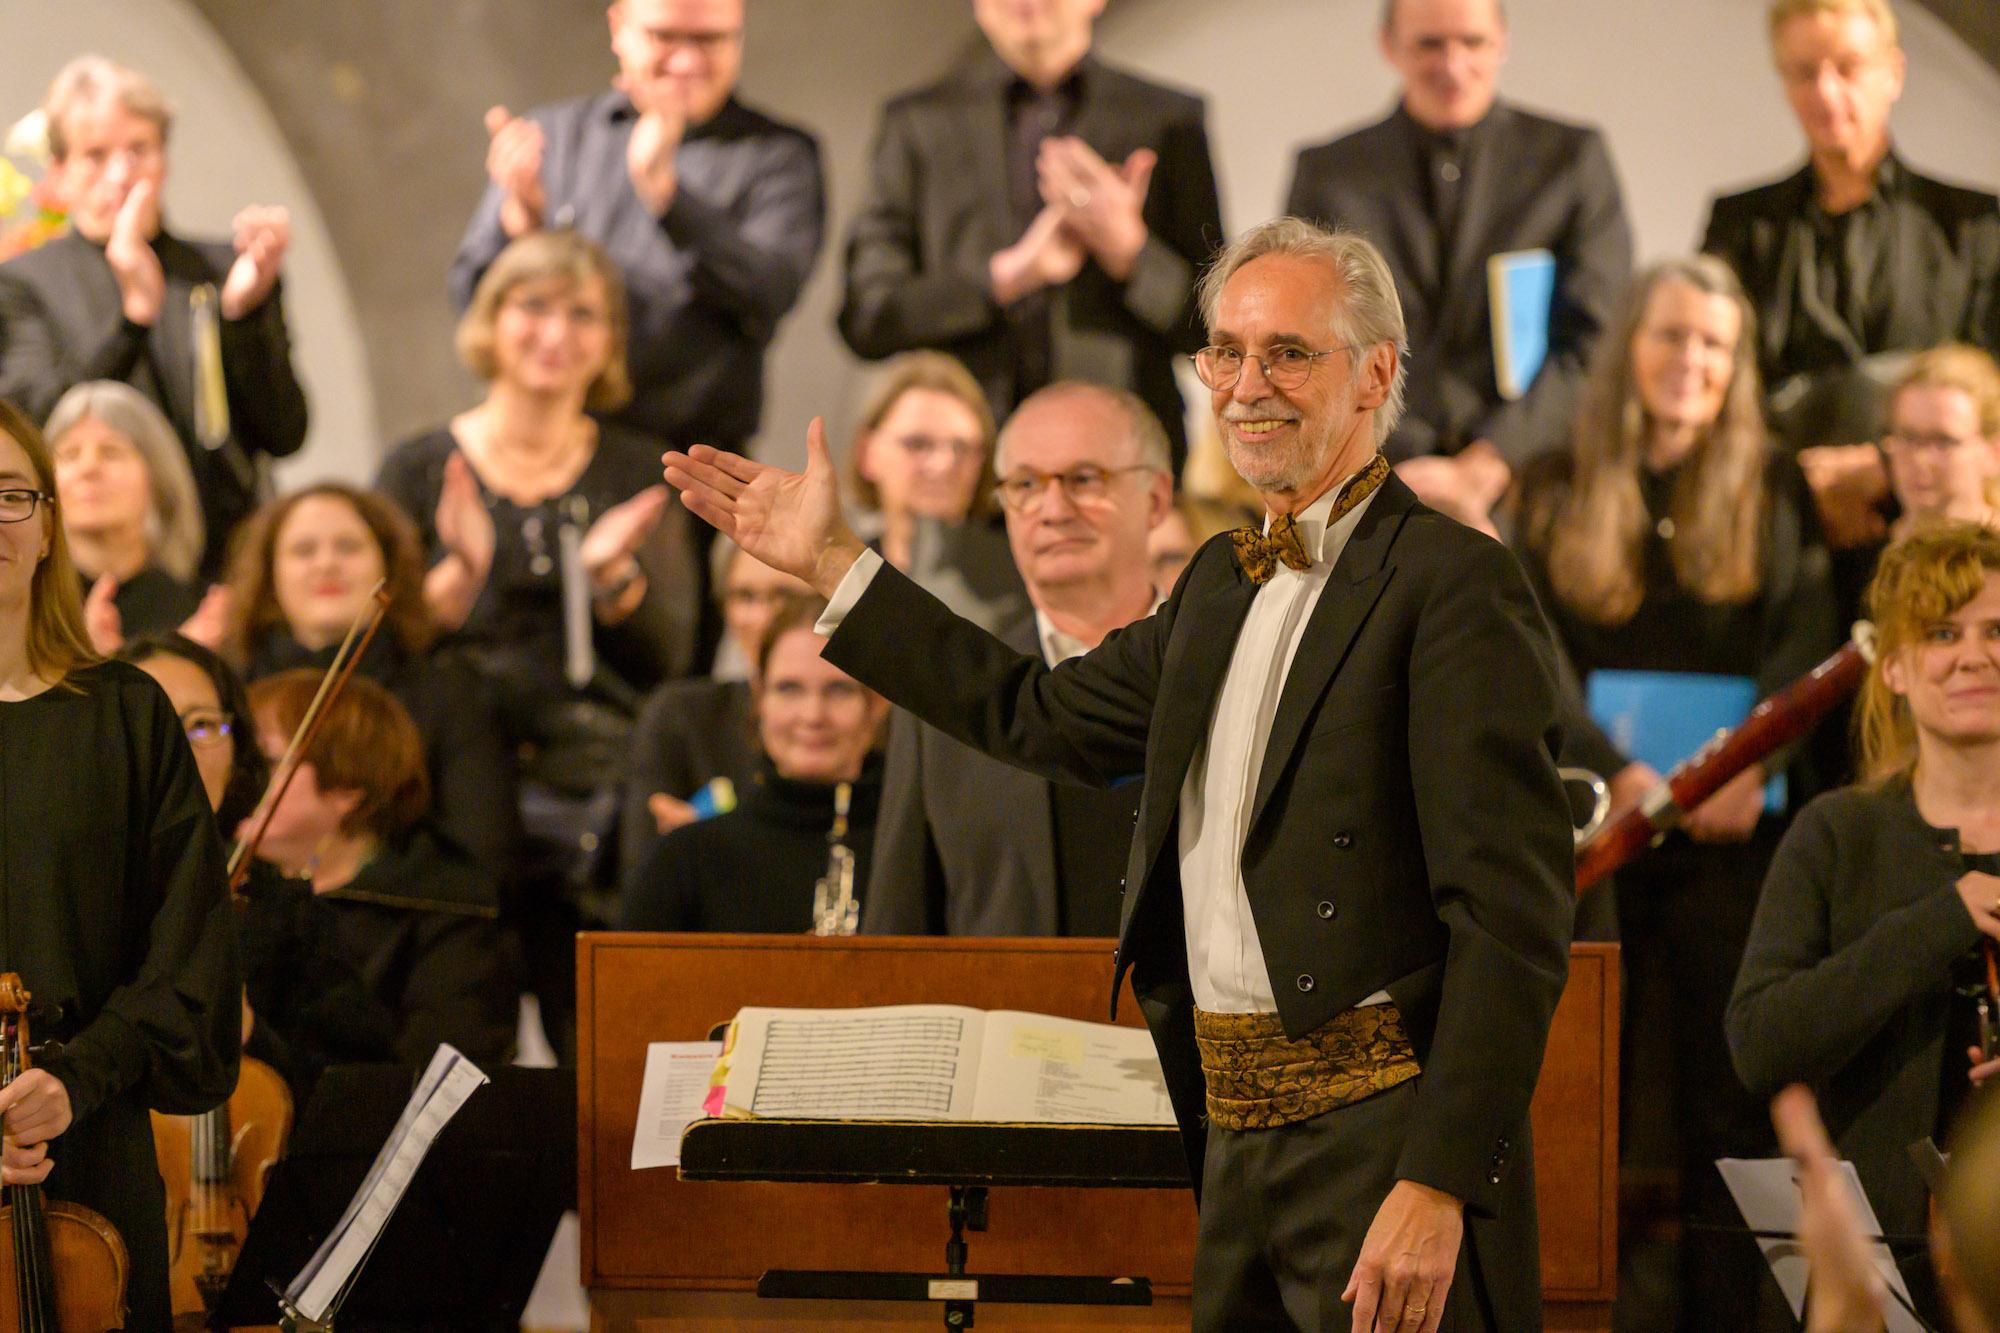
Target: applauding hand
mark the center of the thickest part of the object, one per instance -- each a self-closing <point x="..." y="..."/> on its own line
<point x="514" y="163"/>
<point x="1101" y="205"/>
<point x="262" y="237"/>
<point x="142" y="283"/>
<point x="656" y="139"/>
<point x="788" y="520"/>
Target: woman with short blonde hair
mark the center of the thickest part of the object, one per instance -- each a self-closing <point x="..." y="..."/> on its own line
<point x="923" y="449"/>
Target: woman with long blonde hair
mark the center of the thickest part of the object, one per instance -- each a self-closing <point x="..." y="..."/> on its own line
<point x="1678" y="556"/>
<point x="116" y="909"/>
<point x="1864" y="974"/>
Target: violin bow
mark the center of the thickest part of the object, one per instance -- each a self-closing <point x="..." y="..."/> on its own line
<point x="359" y="635"/>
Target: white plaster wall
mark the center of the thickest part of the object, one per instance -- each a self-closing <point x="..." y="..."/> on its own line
<point x="225" y="152"/>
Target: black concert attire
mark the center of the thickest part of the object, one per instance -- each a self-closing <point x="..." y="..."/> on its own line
<point x="1423" y="672"/>
<point x="754" y="868"/>
<point x="62" y="323"/>
<point x="153" y="602"/>
<point x="1684" y="907"/>
<point x="953" y="182"/>
<point x="1440" y="205"/>
<point x="407" y="954"/>
<point x="1916" y="265"/>
<point x="1861" y="979"/>
<point x="115" y="913"/>
<point x="572" y="741"/>
<point x="689" y="733"/>
<point x="707" y="283"/>
<point x="475" y="796"/>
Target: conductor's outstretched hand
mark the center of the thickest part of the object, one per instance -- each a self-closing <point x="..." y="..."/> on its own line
<point x="789" y="520"/>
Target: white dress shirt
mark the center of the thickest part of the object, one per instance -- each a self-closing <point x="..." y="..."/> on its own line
<point x="1225" y="960"/>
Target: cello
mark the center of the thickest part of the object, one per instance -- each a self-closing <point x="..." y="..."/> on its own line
<point x="65" y="1271"/>
<point x="215" y="1164"/>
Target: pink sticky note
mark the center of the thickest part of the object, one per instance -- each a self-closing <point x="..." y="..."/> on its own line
<point x="711" y="1105"/>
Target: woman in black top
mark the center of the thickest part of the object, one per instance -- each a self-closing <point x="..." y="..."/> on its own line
<point x="303" y="569"/>
<point x="384" y="940"/>
<point x="1866" y="968"/>
<point x="546" y="532"/>
<point x="1669" y="537"/>
<point x="130" y="512"/>
<point x="756" y="868"/>
<point x="113" y="905"/>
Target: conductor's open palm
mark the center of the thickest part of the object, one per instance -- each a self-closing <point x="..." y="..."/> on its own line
<point x="789" y="520"/>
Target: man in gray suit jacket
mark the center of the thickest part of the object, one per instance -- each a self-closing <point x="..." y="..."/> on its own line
<point x="1040" y="216"/>
<point x="1449" y="180"/>
<point x="966" y="844"/>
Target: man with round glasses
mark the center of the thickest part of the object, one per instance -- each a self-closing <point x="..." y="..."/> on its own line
<point x="966" y="844"/>
<point x="1348" y="897"/>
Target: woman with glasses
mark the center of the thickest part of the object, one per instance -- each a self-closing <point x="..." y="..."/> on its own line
<point x="305" y="566"/>
<point x="819" y="785"/>
<point x="115" y="907"/>
<point x="1866" y="972"/>
<point x="131" y="513"/>
<point x="1679" y="558"/>
<point x="694" y="746"/>
<point x="923" y="452"/>
<point x="546" y="538"/>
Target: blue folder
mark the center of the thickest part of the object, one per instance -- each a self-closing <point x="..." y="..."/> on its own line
<point x="1521" y="289"/>
<point x="1661" y="718"/>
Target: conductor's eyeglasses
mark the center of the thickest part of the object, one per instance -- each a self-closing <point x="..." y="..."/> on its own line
<point x="19" y="505"/>
<point x="1285" y="368"/>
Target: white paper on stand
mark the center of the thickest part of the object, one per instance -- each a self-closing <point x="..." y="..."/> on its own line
<point x="670" y="1098"/>
<point x="1767" y="1194"/>
<point x="448" y="1081"/>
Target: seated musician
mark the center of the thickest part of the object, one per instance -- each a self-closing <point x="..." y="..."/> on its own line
<point x="117" y="913"/>
<point x="1671" y="544"/>
<point x="1864" y="973"/>
<point x="303" y="570"/>
<point x="756" y="867"/>
<point x="385" y="939"/>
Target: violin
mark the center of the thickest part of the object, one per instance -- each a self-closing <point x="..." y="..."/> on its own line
<point x="65" y="1271"/>
<point x="215" y="1166"/>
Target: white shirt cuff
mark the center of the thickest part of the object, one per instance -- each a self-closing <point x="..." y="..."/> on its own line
<point x="848" y="593"/>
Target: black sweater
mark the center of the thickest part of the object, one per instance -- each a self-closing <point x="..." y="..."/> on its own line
<point x="1846" y="983"/>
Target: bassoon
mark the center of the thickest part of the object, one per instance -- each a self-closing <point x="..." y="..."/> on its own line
<point x="1772" y="725"/>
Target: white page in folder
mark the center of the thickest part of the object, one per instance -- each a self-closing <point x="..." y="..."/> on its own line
<point x="670" y="1098"/>
<point x="1036" y="1068"/>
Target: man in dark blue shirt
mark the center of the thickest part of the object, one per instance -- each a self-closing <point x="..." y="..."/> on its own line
<point x="712" y="211"/>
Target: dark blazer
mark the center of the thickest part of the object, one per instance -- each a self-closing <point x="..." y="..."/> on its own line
<point x="1530" y="183"/>
<point x="937" y="210"/>
<point x="62" y="323"/>
<point x="1845" y="983"/>
<point x="1426" y="673"/>
<point x="1946" y="259"/>
<point x="953" y="817"/>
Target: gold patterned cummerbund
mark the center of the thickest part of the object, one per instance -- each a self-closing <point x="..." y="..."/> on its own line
<point x="1258" y="1078"/>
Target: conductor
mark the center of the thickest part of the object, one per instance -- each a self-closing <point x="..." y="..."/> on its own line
<point x="1348" y="895"/>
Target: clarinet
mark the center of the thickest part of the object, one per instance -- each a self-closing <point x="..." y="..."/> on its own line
<point x="836" y="911"/>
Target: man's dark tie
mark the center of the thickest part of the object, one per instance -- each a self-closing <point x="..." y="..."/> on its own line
<point x="1259" y="552"/>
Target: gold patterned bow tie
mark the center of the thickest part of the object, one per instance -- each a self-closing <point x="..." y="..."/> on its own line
<point x="1259" y="552"/>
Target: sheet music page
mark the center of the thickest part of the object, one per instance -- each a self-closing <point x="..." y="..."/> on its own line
<point x="447" y="1082"/>
<point x="670" y="1098"/>
<point x="896" y="1062"/>
<point x="1036" y="1068"/>
<point x="1767" y="1193"/>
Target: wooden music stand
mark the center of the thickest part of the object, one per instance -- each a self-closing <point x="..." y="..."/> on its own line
<point x="663" y="1253"/>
